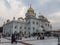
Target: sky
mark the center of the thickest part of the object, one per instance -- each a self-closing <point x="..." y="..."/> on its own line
<point x="17" y="8"/>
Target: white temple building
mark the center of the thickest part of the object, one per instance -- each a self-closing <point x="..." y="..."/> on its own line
<point x="28" y="25"/>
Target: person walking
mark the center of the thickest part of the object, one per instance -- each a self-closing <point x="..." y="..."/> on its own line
<point x="13" y="38"/>
<point x="0" y="38"/>
<point x="39" y="35"/>
<point x="58" y="39"/>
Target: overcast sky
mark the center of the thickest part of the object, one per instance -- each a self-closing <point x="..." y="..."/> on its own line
<point x="18" y="8"/>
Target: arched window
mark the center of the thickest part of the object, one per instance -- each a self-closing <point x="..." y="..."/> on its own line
<point x="15" y="32"/>
<point x="24" y="32"/>
<point x="15" y="26"/>
<point x="28" y="28"/>
<point x="33" y="28"/>
<point x="24" y="27"/>
<point x="42" y="26"/>
<point x="37" y="23"/>
<point x="33" y="22"/>
<point x="20" y="27"/>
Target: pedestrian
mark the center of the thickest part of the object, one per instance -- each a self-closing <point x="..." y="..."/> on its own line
<point x="58" y="40"/>
<point x="15" y="39"/>
<point x="12" y="38"/>
<point x="39" y="35"/>
<point x="0" y="37"/>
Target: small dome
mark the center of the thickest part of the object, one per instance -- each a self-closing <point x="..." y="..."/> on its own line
<point x="41" y="15"/>
<point x="30" y="10"/>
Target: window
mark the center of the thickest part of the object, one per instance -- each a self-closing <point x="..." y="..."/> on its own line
<point x="44" y="30"/>
<point x="42" y="26"/>
<point x="29" y="22"/>
<point x="37" y="31"/>
<point x="33" y="22"/>
<point x="28" y="28"/>
<point x="20" y="27"/>
<point x="33" y="28"/>
<point x="37" y="23"/>
<point x="15" y="27"/>
<point x="15" y="32"/>
<point x="29" y="33"/>
<point x="24" y="32"/>
<point x="20" y="32"/>
<point x="24" y="27"/>
<point x="48" y="25"/>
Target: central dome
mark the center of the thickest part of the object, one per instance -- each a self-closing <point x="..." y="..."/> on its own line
<point x="31" y="10"/>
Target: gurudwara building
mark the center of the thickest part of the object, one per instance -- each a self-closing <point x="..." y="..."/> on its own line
<point x="30" y="24"/>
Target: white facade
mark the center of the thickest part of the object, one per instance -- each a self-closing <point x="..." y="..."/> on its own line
<point x="29" y="24"/>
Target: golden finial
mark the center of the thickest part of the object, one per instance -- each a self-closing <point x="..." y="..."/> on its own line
<point x="30" y="5"/>
<point x="31" y="10"/>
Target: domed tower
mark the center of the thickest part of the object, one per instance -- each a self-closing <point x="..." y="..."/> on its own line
<point x="30" y="17"/>
<point x="30" y="13"/>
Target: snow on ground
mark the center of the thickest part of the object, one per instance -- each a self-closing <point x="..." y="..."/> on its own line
<point x="5" y="40"/>
<point x="34" y="41"/>
<point x="11" y="44"/>
<point x="44" y="42"/>
<point x="8" y="42"/>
